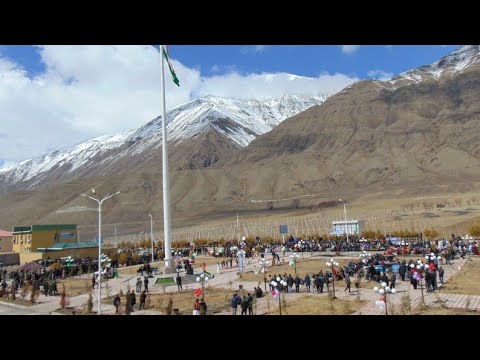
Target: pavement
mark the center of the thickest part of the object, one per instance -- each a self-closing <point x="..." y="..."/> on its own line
<point x="228" y="278"/>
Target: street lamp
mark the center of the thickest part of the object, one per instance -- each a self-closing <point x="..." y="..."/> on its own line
<point x="276" y="292"/>
<point x="345" y="212"/>
<point x="263" y="264"/>
<point x="241" y="261"/>
<point x="383" y="300"/>
<point x="421" y="267"/>
<point x="238" y="229"/>
<point x="202" y="279"/>
<point x="293" y="262"/>
<point x="332" y="263"/>
<point x="116" y="243"/>
<point x="100" y="202"/>
<point x="151" y="233"/>
<point x="302" y="244"/>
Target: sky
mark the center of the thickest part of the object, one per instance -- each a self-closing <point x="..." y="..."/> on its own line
<point x="54" y="96"/>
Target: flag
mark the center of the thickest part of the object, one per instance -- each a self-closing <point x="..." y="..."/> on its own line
<point x="197" y="292"/>
<point x="170" y="66"/>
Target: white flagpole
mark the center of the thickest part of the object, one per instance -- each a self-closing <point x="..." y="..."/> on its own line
<point x="166" y="187"/>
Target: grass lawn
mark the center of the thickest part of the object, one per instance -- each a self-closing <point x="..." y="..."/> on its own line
<point x="315" y="305"/>
<point x="165" y="281"/>
<point x="465" y="281"/>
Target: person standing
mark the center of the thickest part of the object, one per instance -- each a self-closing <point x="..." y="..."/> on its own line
<point x="145" y="282"/>
<point x="348" y="282"/>
<point x="306" y="281"/>
<point x="203" y="307"/>
<point x="441" y="272"/>
<point x="179" y="282"/>
<point x="218" y="268"/>
<point x="128" y="302"/>
<point x="143" y="297"/>
<point x="116" y="303"/>
<point x="234" y="303"/>
<point x="133" y="300"/>
<point x="244" y="305"/>
<point x="250" y="304"/>
<point x="93" y="281"/>
<point x="196" y="307"/>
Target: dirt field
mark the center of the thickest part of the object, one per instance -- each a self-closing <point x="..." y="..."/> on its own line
<point x="74" y="286"/>
<point x="466" y="281"/>
<point x="217" y="300"/>
<point x="314" y="305"/>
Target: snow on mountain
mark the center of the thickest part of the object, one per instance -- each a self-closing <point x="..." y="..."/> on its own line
<point x="455" y="62"/>
<point x="240" y="120"/>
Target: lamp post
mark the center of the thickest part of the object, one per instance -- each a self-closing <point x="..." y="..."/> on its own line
<point x="202" y="279"/>
<point x="386" y="290"/>
<point x="116" y="243"/>
<point x="151" y="233"/>
<point x="345" y="213"/>
<point x="241" y="261"/>
<point x="293" y="262"/>
<point x="237" y="228"/>
<point x="263" y="264"/>
<point x="277" y="292"/>
<point x="100" y="202"/>
<point x="302" y="244"/>
<point x="421" y="268"/>
<point x="332" y="263"/>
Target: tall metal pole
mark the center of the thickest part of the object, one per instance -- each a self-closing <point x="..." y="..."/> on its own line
<point x="99" y="306"/>
<point x="345" y="213"/>
<point x="151" y="233"/>
<point x="116" y="243"/>
<point x="166" y="187"/>
<point x="100" y="202"/>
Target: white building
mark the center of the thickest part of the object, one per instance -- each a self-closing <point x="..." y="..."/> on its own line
<point x="349" y="227"/>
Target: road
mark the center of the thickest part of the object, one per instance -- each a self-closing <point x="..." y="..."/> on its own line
<point x="6" y="309"/>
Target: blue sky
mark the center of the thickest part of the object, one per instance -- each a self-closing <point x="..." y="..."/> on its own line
<point x="304" y="60"/>
<point x="54" y="96"/>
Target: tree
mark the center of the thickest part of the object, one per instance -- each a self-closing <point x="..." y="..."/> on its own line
<point x="369" y="234"/>
<point x="475" y="231"/>
<point x="63" y="298"/>
<point x="430" y="233"/>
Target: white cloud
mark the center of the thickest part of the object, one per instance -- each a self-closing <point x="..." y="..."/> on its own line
<point x="271" y="85"/>
<point x="253" y="49"/>
<point x="350" y="49"/>
<point x="380" y="75"/>
<point x="88" y="91"/>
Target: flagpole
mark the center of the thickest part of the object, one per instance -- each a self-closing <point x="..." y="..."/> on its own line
<point x="169" y="268"/>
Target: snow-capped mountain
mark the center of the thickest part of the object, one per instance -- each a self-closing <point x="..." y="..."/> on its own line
<point x="455" y="62"/>
<point x="239" y="121"/>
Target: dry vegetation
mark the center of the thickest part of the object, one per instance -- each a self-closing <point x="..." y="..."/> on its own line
<point x="442" y="311"/>
<point x="465" y="281"/>
<point x="74" y="287"/>
<point x="315" y="305"/>
<point x="217" y="300"/>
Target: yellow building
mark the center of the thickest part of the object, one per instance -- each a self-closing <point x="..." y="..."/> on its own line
<point x="42" y="242"/>
<point x="28" y="239"/>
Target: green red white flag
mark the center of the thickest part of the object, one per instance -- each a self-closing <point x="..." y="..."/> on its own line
<point x="170" y="66"/>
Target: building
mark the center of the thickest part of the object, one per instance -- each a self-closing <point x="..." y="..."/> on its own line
<point x="350" y="227"/>
<point x="6" y="238"/>
<point x="27" y="239"/>
<point x="42" y="242"/>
